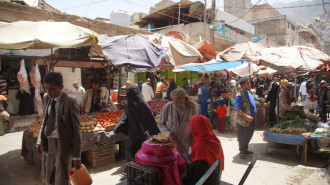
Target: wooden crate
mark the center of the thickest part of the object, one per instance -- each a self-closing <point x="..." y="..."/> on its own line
<point x="101" y="155"/>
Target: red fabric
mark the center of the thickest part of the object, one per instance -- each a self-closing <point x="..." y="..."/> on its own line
<point x="221" y="111"/>
<point x="312" y="98"/>
<point x="206" y="145"/>
<point x="170" y="80"/>
<point x="152" y="155"/>
<point x="221" y="124"/>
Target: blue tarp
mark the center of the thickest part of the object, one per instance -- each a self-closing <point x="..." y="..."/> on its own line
<point x="214" y="65"/>
<point x="132" y="51"/>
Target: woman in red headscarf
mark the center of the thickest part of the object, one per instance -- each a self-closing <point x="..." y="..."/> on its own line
<point x="205" y="150"/>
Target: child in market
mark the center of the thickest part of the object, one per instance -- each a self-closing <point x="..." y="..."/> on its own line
<point x="222" y="112"/>
<point x="228" y="105"/>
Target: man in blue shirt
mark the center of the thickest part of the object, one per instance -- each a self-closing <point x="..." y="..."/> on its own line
<point x="203" y="94"/>
<point x="245" y="118"/>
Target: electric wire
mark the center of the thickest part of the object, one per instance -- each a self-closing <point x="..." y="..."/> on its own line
<point x="245" y="13"/>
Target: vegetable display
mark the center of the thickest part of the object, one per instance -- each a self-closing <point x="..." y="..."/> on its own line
<point x="109" y="118"/>
<point x="293" y="123"/>
<point x="157" y="105"/>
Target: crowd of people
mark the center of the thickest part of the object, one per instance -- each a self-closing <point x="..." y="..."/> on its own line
<point x="187" y="126"/>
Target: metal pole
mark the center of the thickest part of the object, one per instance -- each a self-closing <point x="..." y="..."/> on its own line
<point x="205" y="22"/>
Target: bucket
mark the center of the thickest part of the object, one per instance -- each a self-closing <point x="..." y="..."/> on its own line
<point x="81" y="176"/>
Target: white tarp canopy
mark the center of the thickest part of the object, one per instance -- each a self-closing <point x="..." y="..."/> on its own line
<point x="290" y="59"/>
<point x="177" y="51"/>
<point x="247" y="50"/>
<point x="243" y="70"/>
<point x="44" y="35"/>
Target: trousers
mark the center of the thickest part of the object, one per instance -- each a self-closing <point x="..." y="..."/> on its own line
<point x="244" y="135"/>
<point x="204" y="109"/>
<point x="59" y="165"/>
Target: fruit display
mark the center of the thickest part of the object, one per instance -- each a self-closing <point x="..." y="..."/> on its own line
<point x="35" y="127"/>
<point x="109" y="118"/>
<point x="157" y="105"/>
<point x="89" y="123"/>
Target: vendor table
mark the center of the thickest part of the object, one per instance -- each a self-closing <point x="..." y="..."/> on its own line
<point x="299" y="140"/>
<point x="89" y="142"/>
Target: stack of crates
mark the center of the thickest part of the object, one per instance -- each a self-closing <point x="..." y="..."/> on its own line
<point x="141" y="175"/>
<point x="101" y="155"/>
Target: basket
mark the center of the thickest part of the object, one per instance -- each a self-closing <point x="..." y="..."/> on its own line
<point x="141" y="175"/>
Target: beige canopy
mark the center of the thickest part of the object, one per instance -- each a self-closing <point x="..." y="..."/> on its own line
<point x="247" y="50"/>
<point x="43" y="35"/>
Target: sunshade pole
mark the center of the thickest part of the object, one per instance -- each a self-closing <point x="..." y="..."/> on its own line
<point x="295" y="86"/>
<point x="278" y="99"/>
<point x="51" y="61"/>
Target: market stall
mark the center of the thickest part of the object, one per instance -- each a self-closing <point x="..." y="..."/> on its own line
<point x="97" y="143"/>
<point x="299" y="128"/>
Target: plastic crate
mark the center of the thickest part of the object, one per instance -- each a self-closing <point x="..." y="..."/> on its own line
<point x="141" y="175"/>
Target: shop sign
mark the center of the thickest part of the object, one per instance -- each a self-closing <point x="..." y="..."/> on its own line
<point x="258" y="38"/>
<point x="219" y="28"/>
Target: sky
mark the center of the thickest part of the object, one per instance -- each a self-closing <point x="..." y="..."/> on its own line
<point x="103" y="8"/>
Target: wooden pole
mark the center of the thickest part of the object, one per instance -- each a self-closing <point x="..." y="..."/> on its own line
<point x="212" y="29"/>
<point x="205" y="22"/>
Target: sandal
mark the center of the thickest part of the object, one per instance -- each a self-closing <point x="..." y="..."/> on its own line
<point x="248" y="152"/>
<point x="242" y="156"/>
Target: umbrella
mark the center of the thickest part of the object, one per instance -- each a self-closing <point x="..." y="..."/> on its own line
<point x="132" y="51"/>
<point x="177" y="51"/>
<point x="247" y="50"/>
<point x="243" y="70"/>
<point x="213" y="65"/>
<point x="44" y="35"/>
<point x="289" y="59"/>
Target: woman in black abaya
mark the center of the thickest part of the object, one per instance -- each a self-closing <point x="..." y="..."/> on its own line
<point x="137" y="122"/>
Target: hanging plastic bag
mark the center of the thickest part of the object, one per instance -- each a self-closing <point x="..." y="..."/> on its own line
<point x="23" y="78"/>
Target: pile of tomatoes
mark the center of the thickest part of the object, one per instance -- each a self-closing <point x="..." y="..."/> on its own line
<point x="109" y="118"/>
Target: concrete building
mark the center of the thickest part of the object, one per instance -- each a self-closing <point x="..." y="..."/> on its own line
<point x="120" y="18"/>
<point x="187" y="19"/>
<point x="308" y="36"/>
<point x="279" y="31"/>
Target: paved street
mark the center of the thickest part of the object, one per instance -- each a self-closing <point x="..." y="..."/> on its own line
<point x="280" y="166"/>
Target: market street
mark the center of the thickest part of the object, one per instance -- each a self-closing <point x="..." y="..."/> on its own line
<point x="281" y="166"/>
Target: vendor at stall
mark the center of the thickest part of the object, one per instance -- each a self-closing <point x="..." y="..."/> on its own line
<point x="175" y="119"/>
<point x="95" y="100"/>
<point x="285" y="101"/>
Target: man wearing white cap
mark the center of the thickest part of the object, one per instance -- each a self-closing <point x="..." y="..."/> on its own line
<point x="80" y="91"/>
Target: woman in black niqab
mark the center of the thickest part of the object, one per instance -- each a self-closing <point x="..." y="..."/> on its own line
<point x="137" y="122"/>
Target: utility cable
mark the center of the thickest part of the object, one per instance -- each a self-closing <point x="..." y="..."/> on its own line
<point x="245" y="13"/>
<point x="325" y="10"/>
